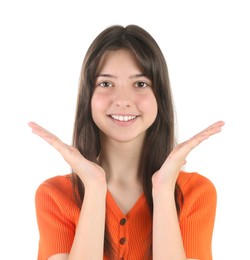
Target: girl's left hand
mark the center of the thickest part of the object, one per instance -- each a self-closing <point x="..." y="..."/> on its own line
<point x="167" y="175"/>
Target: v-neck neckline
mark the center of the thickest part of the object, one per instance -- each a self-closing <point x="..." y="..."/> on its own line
<point x="118" y="212"/>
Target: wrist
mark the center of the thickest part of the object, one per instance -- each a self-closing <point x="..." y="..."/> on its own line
<point x="96" y="188"/>
<point x="158" y="187"/>
<point x="160" y="183"/>
<point x="163" y="193"/>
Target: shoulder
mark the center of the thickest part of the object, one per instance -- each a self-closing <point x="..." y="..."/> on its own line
<point x="199" y="192"/>
<point x="194" y="182"/>
<point x="59" y="184"/>
<point x="57" y="215"/>
<point x="58" y="189"/>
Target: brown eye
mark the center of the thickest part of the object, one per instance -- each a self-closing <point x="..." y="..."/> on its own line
<point x="105" y="84"/>
<point x="141" y="84"/>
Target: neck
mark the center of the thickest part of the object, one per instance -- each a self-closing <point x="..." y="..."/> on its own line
<point x="120" y="160"/>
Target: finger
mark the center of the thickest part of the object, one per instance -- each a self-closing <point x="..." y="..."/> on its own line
<point x="186" y="147"/>
<point x="205" y="134"/>
<point x="214" y="128"/>
<point x="70" y="154"/>
<point x="48" y="136"/>
<point x="177" y="158"/>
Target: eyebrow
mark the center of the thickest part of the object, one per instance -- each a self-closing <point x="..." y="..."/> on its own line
<point x="105" y="75"/>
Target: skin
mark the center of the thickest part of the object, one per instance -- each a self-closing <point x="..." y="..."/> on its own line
<point x="122" y="90"/>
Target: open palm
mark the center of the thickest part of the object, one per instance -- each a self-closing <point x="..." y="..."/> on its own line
<point x="168" y="173"/>
<point x="89" y="172"/>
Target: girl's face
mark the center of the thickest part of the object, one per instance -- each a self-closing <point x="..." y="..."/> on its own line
<point x="123" y="103"/>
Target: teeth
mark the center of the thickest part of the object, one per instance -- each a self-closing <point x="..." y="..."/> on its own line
<point x="123" y="118"/>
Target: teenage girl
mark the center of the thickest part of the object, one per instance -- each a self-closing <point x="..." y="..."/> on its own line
<point x="127" y="196"/>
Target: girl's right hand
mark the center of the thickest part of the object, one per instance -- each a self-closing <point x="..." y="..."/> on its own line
<point x="90" y="173"/>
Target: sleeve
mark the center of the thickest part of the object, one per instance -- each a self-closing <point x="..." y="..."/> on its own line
<point x="197" y="217"/>
<point x="55" y="228"/>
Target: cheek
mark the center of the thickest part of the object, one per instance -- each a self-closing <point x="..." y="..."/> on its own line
<point x="97" y="103"/>
<point x="95" y="107"/>
<point x="154" y="109"/>
<point x="150" y="106"/>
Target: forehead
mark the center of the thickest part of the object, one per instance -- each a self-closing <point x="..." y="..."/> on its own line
<point x="118" y="59"/>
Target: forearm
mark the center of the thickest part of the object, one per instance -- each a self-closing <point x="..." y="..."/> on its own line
<point x="89" y="237"/>
<point x="167" y="240"/>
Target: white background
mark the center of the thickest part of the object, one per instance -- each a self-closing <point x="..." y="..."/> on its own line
<point x="206" y="45"/>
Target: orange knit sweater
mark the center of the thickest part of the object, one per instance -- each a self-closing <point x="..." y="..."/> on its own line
<point x="57" y="216"/>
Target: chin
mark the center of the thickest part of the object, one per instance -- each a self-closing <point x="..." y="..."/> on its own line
<point x="125" y="137"/>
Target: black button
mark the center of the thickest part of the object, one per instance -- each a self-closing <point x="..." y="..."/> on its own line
<point x="123" y="240"/>
<point x="123" y="221"/>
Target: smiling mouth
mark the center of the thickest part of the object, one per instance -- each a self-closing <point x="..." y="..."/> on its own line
<point x="123" y="118"/>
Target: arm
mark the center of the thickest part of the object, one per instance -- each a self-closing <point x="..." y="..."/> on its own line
<point x="89" y="236"/>
<point x="167" y="239"/>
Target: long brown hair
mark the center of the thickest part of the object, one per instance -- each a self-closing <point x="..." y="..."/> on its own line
<point x="159" y="140"/>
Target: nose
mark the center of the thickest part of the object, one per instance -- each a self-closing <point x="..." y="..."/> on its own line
<point x="123" y="97"/>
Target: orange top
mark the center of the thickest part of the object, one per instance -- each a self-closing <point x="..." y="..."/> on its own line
<point x="57" y="216"/>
